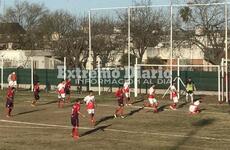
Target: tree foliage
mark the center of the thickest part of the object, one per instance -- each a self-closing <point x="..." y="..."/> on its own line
<point x="208" y="24"/>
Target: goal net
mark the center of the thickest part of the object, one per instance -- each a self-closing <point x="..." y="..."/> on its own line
<point x="205" y="77"/>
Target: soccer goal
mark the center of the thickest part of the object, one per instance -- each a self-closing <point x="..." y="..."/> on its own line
<point x="206" y="77"/>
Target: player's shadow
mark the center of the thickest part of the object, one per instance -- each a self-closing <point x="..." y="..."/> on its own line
<point x="182" y="104"/>
<point x="100" y="128"/>
<point x="134" y="111"/>
<point x="161" y="108"/>
<point x="103" y="119"/>
<point x="198" y="125"/>
<point x="135" y="102"/>
<point x="28" y="112"/>
<point x="51" y="102"/>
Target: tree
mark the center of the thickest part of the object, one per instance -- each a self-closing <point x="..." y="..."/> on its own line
<point x="147" y="27"/>
<point x="124" y="60"/>
<point x="105" y="40"/>
<point x="28" y="16"/>
<point x="155" y="60"/>
<point x="72" y="41"/>
<point x="208" y="24"/>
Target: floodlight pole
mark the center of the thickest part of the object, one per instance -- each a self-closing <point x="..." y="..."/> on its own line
<point x="90" y="50"/>
<point x="129" y="14"/>
<point x="226" y="50"/>
<point x="99" y="75"/>
<point x="171" y="44"/>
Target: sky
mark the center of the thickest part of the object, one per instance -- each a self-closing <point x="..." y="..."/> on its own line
<point x="81" y="6"/>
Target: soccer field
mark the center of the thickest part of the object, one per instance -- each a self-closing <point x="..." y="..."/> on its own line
<point x="47" y="127"/>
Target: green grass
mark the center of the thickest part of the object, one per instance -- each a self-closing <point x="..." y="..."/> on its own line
<point x="141" y="129"/>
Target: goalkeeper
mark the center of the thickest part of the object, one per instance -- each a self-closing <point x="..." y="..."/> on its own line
<point x="190" y="88"/>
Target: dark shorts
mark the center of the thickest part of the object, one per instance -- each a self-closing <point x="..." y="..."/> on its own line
<point x="120" y="102"/>
<point x="67" y="91"/>
<point x="36" y="96"/>
<point x="189" y="92"/>
<point x="9" y="103"/>
<point x="74" y="121"/>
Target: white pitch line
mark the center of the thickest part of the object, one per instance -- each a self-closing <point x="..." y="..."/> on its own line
<point x="40" y="124"/>
<point x="26" y="127"/>
<point x="166" y="109"/>
<point x="113" y="130"/>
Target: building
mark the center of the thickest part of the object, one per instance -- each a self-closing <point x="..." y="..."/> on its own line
<point x="42" y="59"/>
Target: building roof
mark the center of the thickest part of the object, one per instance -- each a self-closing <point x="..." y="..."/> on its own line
<point x="11" y="28"/>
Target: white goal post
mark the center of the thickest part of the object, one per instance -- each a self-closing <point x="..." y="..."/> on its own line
<point x="224" y="68"/>
<point x="178" y="74"/>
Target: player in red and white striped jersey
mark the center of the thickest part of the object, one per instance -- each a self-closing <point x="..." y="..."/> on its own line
<point x="194" y="108"/>
<point x="152" y="99"/>
<point x="126" y="90"/>
<point x="174" y="96"/>
<point x="90" y="105"/>
<point x="61" y="93"/>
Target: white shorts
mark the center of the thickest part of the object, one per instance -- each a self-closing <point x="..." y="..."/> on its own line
<point x="61" y="96"/>
<point x="192" y="108"/>
<point x="152" y="100"/>
<point x="175" y="99"/>
<point x="13" y="83"/>
<point x="127" y="95"/>
<point x="90" y="111"/>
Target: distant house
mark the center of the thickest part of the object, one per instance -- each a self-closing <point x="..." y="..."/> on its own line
<point x="42" y="59"/>
<point x="10" y="35"/>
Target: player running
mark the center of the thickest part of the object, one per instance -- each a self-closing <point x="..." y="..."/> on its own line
<point x="174" y="96"/>
<point x="194" y="108"/>
<point x="61" y="94"/>
<point x="153" y="103"/>
<point x="67" y="90"/>
<point x="36" y="93"/>
<point x="126" y="91"/>
<point x="90" y="105"/>
<point x="120" y="99"/>
<point x="75" y="119"/>
<point x="190" y="88"/>
<point x="10" y="101"/>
